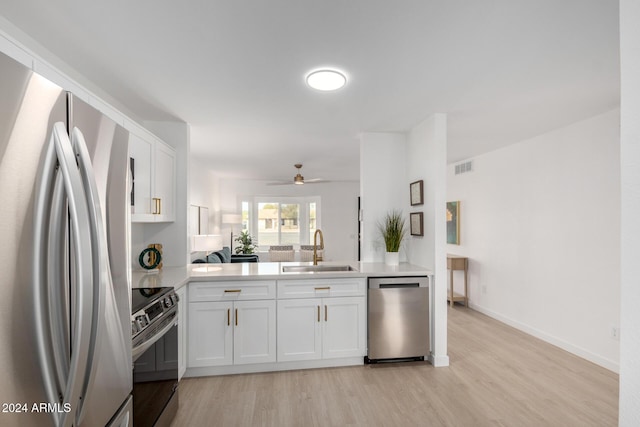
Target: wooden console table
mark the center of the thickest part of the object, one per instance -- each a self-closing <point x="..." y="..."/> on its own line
<point x="455" y="262"/>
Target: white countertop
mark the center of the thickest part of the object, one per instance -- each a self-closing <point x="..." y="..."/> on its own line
<point x="180" y="276"/>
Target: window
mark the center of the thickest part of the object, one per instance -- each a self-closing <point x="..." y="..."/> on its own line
<point x="281" y="220"/>
<point x="312" y="220"/>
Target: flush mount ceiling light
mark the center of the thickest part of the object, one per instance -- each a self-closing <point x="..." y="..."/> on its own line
<point x="326" y="80"/>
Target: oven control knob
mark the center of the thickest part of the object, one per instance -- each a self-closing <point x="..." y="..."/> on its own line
<point x="167" y="302"/>
<point x="134" y="328"/>
<point x="142" y="321"/>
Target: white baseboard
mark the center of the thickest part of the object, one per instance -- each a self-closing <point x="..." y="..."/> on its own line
<point x="439" y="361"/>
<point x="573" y="349"/>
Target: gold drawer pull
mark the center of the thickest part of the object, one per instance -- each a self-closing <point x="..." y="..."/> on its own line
<point x="234" y="291"/>
<point x="325" y="313"/>
<point x="318" y="313"/>
<point x="236" y="317"/>
<point x="228" y="317"/>
<point x="324" y="288"/>
<point x="157" y="210"/>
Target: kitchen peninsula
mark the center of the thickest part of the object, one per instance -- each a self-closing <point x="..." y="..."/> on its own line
<point x="256" y="317"/>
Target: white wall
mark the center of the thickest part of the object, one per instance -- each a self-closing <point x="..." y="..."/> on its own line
<point x="383" y="187"/>
<point x="630" y="222"/>
<point x="338" y="207"/>
<point x="204" y="190"/>
<point x="540" y="225"/>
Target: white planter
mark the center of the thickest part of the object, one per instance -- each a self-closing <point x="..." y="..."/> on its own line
<point x="392" y="258"/>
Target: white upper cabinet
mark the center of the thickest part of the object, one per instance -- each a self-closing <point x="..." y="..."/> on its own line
<point x="153" y="172"/>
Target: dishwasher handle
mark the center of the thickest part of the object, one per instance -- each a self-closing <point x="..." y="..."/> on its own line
<point x="398" y="282"/>
<point x="399" y="285"/>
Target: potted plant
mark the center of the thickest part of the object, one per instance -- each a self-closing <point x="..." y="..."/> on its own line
<point x="393" y="231"/>
<point x="246" y="243"/>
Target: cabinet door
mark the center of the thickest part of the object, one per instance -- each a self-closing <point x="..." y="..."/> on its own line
<point x="141" y="151"/>
<point x="254" y="337"/>
<point x="182" y="331"/>
<point x="344" y="329"/>
<point x="210" y="337"/>
<point x="299" y="331"/>
<point x="164" y="180"/>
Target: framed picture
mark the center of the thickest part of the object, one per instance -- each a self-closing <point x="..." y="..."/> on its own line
<point x="416" y="192"/>
<point x="453" y="223"/>
<point x="416" y="221"/>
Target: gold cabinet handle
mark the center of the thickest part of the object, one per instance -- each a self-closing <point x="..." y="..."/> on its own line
<point x="236" y="317"/>
<point x="157" y="209"/>
<point x="232" y="291"/>
<point x="318" y="313"/>
<point x="325" y="313"/>
<point x="228" y="317"/>
<point x="324" y="288"/>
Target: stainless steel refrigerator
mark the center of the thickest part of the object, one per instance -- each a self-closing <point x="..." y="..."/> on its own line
<point x="65" y="350"/>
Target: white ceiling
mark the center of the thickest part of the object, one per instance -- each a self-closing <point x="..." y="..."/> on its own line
<point x="503" y="70"/>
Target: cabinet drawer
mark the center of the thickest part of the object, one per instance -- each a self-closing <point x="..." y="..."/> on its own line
<point x="313" y="288"/>
<point x="232" y="290"/>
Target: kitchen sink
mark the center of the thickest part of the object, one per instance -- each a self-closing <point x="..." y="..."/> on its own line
<point x="316" y="268"/>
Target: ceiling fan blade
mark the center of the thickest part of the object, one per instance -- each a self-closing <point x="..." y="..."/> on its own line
<point x="280" y="183"/>
<point x="315" y="181"/>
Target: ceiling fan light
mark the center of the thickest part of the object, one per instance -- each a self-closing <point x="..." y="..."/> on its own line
<point x="298" y="179"/>
<point x="326" y="80"/>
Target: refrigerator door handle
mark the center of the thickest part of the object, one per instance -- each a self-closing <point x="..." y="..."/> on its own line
<point x="100" y="260"/>
<point x="71" y="390"/>
<point x="57" y="278"/>
<point x="53" y="364"/>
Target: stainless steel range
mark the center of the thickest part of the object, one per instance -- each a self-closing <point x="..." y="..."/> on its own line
<point x="154" y="329"/>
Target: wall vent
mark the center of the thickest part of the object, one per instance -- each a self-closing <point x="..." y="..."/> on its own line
<point x="464" y="167"/>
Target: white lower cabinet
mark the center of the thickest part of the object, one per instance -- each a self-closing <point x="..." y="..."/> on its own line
<point x="344" y="331"/>
<point x="260" y="325"/>
<point x="321" y="328"/>
<point x="231" y="332"/>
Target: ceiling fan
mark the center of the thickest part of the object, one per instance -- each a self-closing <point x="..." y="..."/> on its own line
<point x="299" y="179"/>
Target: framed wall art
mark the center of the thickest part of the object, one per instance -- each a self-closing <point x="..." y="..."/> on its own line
<point x="453" y="223"/>
<point x="416" y="223"/>
<point x="416" y="192"/>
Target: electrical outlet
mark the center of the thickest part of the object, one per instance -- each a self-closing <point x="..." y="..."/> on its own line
<point x="615" y="332"/>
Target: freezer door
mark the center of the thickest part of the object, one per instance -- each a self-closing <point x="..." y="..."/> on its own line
<point x="102" y="147"/>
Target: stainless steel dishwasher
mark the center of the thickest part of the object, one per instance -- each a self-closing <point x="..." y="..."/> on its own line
<point x="398" y="318"/>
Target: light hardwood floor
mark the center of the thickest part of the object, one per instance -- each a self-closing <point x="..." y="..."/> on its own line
<point x="498" y="376"/>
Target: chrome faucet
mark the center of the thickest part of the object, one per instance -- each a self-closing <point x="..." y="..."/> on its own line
<point x="317" y="257"/>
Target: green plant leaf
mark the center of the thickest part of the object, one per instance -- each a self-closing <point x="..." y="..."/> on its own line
<point x="393" y="230"/>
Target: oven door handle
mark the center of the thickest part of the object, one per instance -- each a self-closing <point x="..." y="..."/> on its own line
<point x="141" y="348"/>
